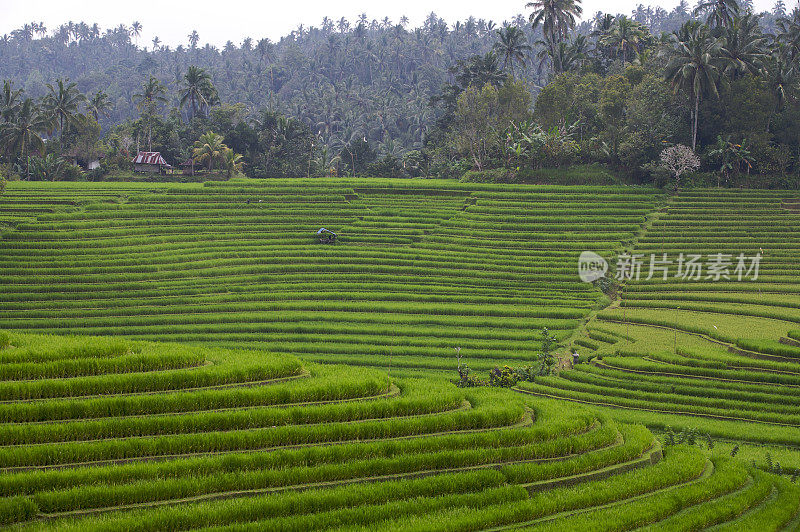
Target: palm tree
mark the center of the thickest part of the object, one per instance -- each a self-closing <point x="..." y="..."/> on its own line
<point x="156" y="43"/>
<point x="789" y="33"/>
<point x="602" y="27"/>
<point x="625" y="37"/>
<point x="512" y="46"/>
<point x="41" y="29"/>
<point x="692" y="67"/>
<point x="720" y="12"/>
<point x="62" y="102"/>
<point x="194" y="38"/>
<point x="195" y="88"/>
<point x="136" y="31"/>
<point x="327" y="161"/>
<point x="557" y="18"/>
<point x="98" y="105"/>
<point x="209" y="149"/>
<point x="232" y="162"/>
<point x="148" y="101"/>
<point x="152" y="94"/>
<point x="566" y="57"/>
<point x="478" y="70"/>
<point x="782" y="78"/>
<point x="9" y="101"/>
<point x="745" y="47"/>
<point x="23" y="133"/>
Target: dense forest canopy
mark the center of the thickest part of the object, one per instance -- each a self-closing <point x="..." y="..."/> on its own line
<point x="379" y="97"/>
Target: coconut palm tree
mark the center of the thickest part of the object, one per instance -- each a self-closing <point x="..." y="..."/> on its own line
<point x="194" y="38"/>
<point x="9" y="101"/>
<point x="566" y="57"/>
<point x="625" y="38"/>
<point x="152" y="94"/>
<point x="23" y="133"/>
<point x="788" y="33"/>
<point x="136" y="31"/>
<point x="99" y="105"/>
<point x="557" y="18"/>
<point x="720" y="12"/>
<point x="602" y="27"/>
<point x="512" y="46"/>
<point x="782" y="78"/>
<point x="232" y="162"/>
<point x="196" y="88"/>
<point x="148" y="101"/>
<point x="63" y="101"/>
<point x="693" y="66"/>
<point x="746" y="48"/>
<point x="209" y="149"/>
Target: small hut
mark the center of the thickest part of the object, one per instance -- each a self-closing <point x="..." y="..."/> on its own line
<point x="150" y="162"/>
<point x="190" y="167"/>
<point x="326" y="236"/>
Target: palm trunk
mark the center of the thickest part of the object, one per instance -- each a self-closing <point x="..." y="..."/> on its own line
<point x="28" y="163"/>
<point x="694" y="125"/>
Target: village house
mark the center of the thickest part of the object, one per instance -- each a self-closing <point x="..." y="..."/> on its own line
<point x="150" y="162"/>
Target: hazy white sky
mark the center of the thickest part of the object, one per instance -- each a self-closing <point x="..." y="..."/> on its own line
<point x="220" y="21"/>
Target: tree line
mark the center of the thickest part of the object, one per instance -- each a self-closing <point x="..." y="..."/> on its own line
<point x="378" y="98"/>
<point x="719" y="93"/>
<point x="45" y="138"/>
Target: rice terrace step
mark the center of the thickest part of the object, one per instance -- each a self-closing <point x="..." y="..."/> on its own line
<point x="189" y="355"/>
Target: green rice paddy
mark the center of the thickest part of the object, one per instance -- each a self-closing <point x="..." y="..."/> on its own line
<point x="189" y="356"/>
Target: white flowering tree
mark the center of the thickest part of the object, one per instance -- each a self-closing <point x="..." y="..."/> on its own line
<point x="678" y="160"/>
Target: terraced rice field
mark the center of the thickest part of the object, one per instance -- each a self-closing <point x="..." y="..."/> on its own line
<point x="713" y="355"/>
<point x="419" y="268"/>
<point x="296" y="385"/>
<point x="110" y="434"/>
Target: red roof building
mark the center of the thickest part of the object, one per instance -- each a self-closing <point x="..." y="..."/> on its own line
<point x="149" y="161"/>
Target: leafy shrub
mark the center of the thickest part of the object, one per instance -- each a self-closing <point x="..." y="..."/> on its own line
<point x="465" y="380"/>
<point x="771" y="158"/>
<point x="546" y="360"/>
<point x="526" y="374"/>
<point x="71" y="172"/>
<point x="503" y="378"/>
